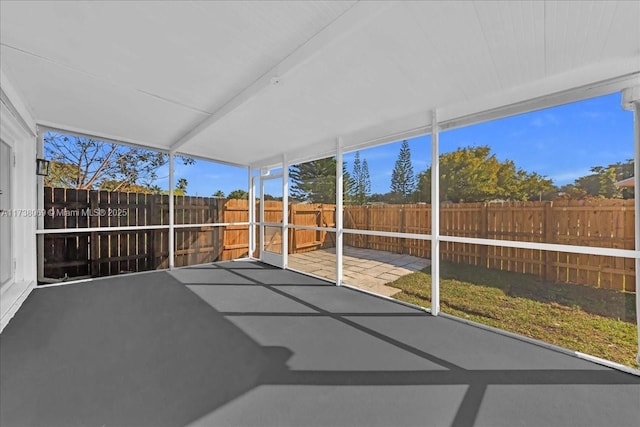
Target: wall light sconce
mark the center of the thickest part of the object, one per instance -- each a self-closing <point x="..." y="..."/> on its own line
<point x="42" y="167"/>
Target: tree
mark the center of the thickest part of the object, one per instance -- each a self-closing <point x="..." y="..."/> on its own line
<point x="388" y="198"/>
<point x="602" y="182"/>
<point x="355" y="174"/>
<point x="365" y="179"/>
<point x="315" y="181"/>
<point x="63" y="175"/>
<point x="84" y="163"/>
<point x="403" y="181"/>
<point x="181" y="187"/>
<point x="537" y="187"/>
<point x="361" y="180"/>
<point x="218" y="194"/>
<point x="473" y="174"/>
<point x="110" y="185"/>
<point x="238" y="194"/>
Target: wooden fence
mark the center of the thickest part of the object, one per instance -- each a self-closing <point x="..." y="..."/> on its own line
<point x="601" y="223"/>
<point x="106" y="253"/>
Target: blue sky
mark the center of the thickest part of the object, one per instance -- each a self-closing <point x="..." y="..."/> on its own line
<point x="561" y="143"/>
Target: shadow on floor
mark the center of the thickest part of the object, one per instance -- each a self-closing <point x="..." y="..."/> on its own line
<point x="242" y="343"/>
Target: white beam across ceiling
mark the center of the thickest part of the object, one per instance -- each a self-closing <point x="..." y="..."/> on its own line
<point x="351" y="20"/>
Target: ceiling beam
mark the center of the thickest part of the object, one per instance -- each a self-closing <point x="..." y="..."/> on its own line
<point x="348" y="22"/>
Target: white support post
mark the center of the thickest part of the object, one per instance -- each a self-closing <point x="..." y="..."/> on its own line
<point x="171" y="213"/>
<point x="261" y="226"/>
<point x="631" y="101"/>
<point x="339" y="213"/>
<point x="636" y="168"/>
<point x="435" y="215"/>
<point x="40" y="204"/>
<point x="252" y="214"/>
<point x="285" y="212"/>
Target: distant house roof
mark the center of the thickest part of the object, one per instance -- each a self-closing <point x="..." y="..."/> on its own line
<point x="629" y="182"/>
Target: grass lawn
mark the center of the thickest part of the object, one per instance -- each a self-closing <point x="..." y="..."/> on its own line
<point x="599" y="322"/>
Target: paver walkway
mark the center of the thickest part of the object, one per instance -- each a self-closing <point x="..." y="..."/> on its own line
<point x="367" y="269"/>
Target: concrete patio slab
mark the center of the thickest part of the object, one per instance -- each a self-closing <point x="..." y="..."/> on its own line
<point x="366" y="269"/>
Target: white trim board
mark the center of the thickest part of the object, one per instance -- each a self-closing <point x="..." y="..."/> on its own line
<point x="11" y="300"/>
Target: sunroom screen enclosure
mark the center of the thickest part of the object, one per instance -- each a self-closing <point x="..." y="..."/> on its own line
<point x="269" y="86"/>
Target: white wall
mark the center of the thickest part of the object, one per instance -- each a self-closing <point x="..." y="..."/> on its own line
<point x="18" y="129"/>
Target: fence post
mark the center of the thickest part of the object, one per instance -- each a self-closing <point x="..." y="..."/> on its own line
<point x="484" y="233"/>
<point x="322" y="236"/>
<point x="367" y="224"/>
<point x="403" y="226"/>
<point x="151" y="208"/>
<point x="216" y="232"/>
<point x="94" y="267"/>
<point x="292" y="231"/>
<point x="547" y="224"/>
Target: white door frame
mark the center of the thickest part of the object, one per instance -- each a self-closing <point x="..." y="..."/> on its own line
<point x="6" y="255"/>
<point x="268" y="257"/>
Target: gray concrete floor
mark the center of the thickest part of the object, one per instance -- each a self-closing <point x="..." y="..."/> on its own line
<point x="367" y="269"/>
<point x="246" y="344"/>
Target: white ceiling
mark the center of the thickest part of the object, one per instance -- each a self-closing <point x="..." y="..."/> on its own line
<point x="245" y="82"/>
